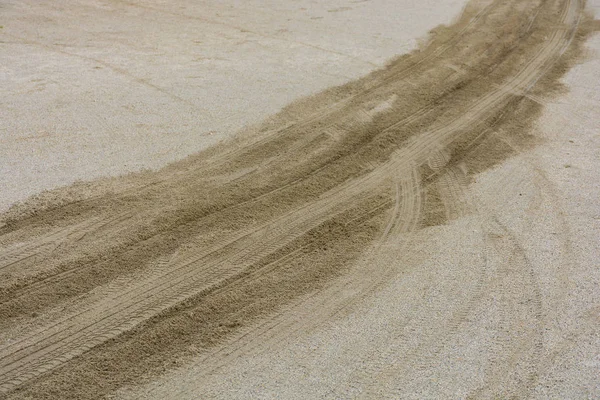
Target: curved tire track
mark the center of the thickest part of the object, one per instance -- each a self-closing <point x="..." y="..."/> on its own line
<point x="128" y="302"/>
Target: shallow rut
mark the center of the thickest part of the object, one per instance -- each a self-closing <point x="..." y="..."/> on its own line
<point x="333" y="186"/>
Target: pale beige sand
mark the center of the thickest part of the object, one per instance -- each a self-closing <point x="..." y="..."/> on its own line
<point x="452" y="326"/>
<point x="419" y="233"/>
<point x="100" y="88"/>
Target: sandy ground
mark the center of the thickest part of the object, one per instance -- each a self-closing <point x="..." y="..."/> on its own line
<point x="549" y="199"/>
<point x="101" y="88"/>
<point x="428" y="231"/>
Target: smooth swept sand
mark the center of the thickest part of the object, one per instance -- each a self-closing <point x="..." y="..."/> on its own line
<point x="429" y="230"/>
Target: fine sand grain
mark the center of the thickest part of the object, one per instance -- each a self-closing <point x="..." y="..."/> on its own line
<point x="426" y="231"/>
<point x="94" y="88"/>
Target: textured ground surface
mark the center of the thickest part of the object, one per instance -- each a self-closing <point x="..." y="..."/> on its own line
<point x="427" y="231"/>
<point x="98" y="88"/>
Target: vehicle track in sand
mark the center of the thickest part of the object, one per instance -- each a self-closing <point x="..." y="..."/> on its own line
<point x="372" y="157"/>
<point x="279" y="188"/>
<point x="318" y="307"/>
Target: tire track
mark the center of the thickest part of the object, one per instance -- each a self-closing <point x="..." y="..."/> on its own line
<point x="403" y="355"/>
<point x="170" y="299"/>
<point x="45" y="350"/>
<point x="319" y="115"/>
<point x="73" y="236"/>
<point x="318" y="308"/>
<point x="518" y="346"/>
<point x="460" y="316"/>
<point x="509" y="352"/>
<point x="341" y="107"/>
<point x="513" y="248"/>
<point x="131" y="300"/>
<point x="44" y="245"/>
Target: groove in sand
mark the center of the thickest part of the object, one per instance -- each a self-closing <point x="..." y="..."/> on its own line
<point x="258" y="240"/>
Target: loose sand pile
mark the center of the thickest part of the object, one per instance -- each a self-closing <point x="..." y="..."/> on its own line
<point x="427" y="231"/>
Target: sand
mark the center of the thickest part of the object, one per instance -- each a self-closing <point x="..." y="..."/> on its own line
<point x="427" y="231"/>
<point x="97" y="89"/>
<point x="341" y="357"/>
<point x="553" y="210"/>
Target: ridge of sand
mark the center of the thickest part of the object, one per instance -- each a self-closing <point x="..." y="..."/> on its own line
<point x="408" y="227"/>
<point x="99" y="89"/>
<point x="552" y="208"/>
